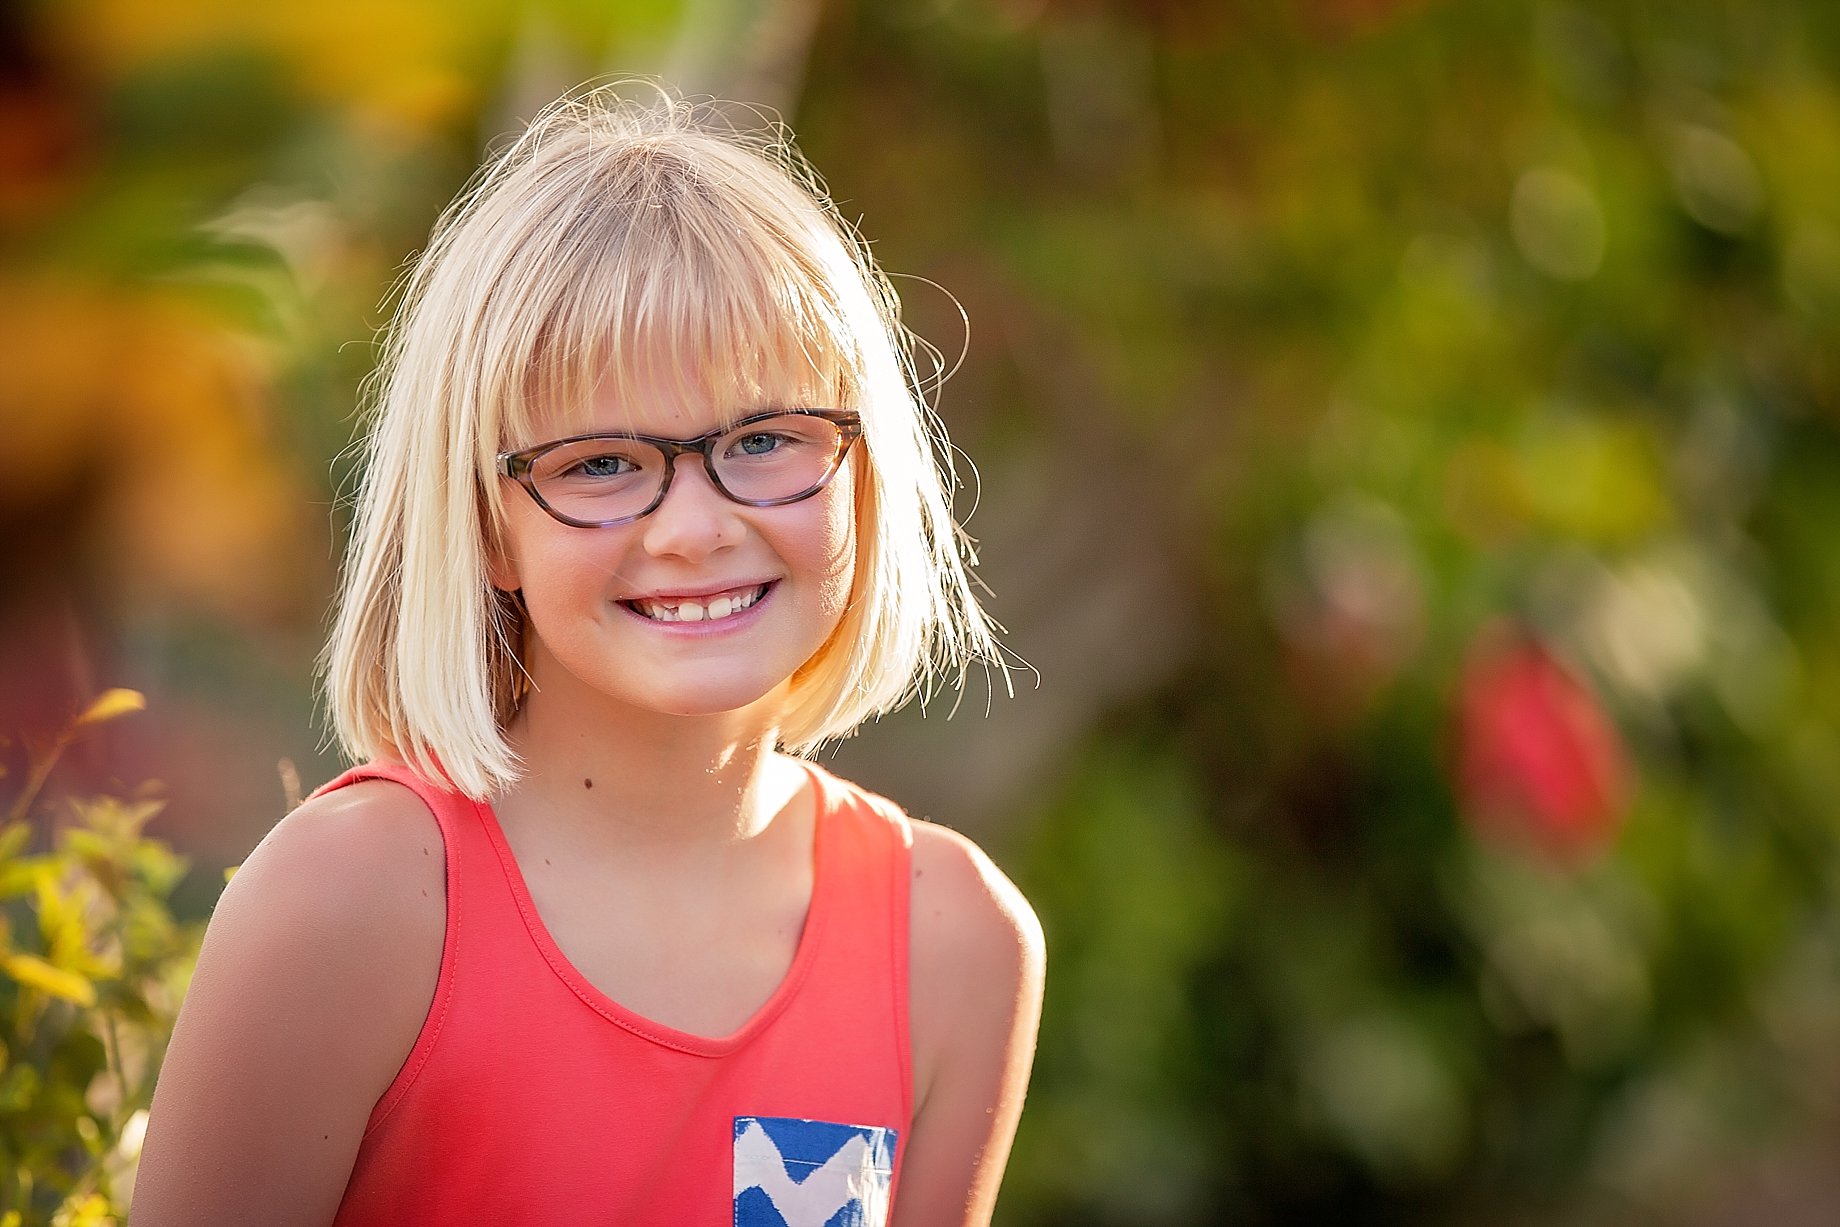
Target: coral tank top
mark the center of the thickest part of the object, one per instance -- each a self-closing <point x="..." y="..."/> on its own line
<point x="530" y="1097"/>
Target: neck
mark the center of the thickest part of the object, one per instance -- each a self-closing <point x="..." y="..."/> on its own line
<point x="631" y="780"/>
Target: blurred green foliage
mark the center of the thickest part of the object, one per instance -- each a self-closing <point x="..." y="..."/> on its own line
<point x="1428" y="321"/>
<point x="1423" y="325"/>
<point x="92" y="968"/>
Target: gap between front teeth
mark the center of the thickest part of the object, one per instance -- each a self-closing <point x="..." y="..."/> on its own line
<point x="696" y="611"/>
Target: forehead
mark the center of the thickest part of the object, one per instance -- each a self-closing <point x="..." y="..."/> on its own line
<point x="678" y="397"/>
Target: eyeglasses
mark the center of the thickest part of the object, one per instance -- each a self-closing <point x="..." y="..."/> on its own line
<point x="763" y="460"/>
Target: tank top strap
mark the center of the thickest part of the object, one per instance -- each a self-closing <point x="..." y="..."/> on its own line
<point x="867" y="842"/>
<point x="869" y="856"/>
<point x="441" y="799"/>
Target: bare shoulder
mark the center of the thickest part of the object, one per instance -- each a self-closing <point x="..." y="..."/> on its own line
<point x="318" y="968"/>
<point x="977" y="949"/>
<point x="345" y="896"/>
<point x="358" y="871"/>
<point x="360" y="846"/>
<point x="974" y="1002"/>
<point x="963" y="906"/>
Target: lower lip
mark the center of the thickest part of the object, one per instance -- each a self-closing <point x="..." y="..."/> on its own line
<point x="695" y="630"/>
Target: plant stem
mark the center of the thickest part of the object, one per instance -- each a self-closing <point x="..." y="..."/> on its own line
<point x="36" y="775"/>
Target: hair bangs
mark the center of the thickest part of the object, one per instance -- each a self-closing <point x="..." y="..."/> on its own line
<point x="692" y="302"/>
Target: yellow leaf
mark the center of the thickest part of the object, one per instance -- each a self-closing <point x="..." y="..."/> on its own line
<point x="34" y="972"/>
<point x="88" y="1210"/>
<point x="110" y="704"/>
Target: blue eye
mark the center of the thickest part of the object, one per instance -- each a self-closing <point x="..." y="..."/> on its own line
<point x="759" y="443"/>
<point x="601" y="466"/>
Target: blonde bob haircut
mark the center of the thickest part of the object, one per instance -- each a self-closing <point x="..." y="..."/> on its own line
<point x="613" y="244"/>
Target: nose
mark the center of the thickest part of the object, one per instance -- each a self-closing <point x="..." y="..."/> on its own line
<point x="695" y="519"/>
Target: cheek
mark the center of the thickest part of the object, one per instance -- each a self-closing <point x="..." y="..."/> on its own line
<point x="512" y="550"/>
<point x="837" y="538"/>
<point x="558" y="572"/>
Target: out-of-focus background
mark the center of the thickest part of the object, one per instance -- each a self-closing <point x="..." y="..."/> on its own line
<point x="1406" y="452"/>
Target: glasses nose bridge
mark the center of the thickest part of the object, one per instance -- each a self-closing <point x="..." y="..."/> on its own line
<point x="676" y="449"/>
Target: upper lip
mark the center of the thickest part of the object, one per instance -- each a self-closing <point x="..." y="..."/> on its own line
<point x="704" y="594"/>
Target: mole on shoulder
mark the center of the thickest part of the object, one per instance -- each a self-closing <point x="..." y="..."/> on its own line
<point x="587" y="783"/>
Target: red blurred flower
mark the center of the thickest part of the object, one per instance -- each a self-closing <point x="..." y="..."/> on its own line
<point x="1539" y="763"/>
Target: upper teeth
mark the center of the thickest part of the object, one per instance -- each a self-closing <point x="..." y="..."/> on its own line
<point x="697" y="611"/>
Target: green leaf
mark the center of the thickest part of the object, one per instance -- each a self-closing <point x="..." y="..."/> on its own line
<point x="12" y="839"/>
<point x="18" y="877"/>
<point x="18" y="1087"/>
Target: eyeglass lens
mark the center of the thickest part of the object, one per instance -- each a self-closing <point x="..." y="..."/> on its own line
<point x="609" y="478"/>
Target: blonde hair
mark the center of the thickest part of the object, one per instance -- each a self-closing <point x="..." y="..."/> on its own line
<point x="617" y="242"/>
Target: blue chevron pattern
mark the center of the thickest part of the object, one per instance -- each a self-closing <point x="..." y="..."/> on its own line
<point x="811" y="1173"/>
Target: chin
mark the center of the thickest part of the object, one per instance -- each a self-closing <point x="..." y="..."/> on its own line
<point x="722" y="701"/>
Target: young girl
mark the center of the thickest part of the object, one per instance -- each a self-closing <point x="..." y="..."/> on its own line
<point x="651" y="509"/>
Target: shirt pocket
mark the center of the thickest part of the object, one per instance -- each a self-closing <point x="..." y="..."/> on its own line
<point x="811" y="1173"/>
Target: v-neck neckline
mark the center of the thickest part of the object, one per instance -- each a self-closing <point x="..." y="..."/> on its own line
<point x="648" y="1028"/>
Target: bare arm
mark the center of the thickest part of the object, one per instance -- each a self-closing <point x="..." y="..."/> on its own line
<point x="317" y="972"/>
<point x="976" y="981"/>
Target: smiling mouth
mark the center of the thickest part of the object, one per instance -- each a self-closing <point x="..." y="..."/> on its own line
<point x="686" y="609"/>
